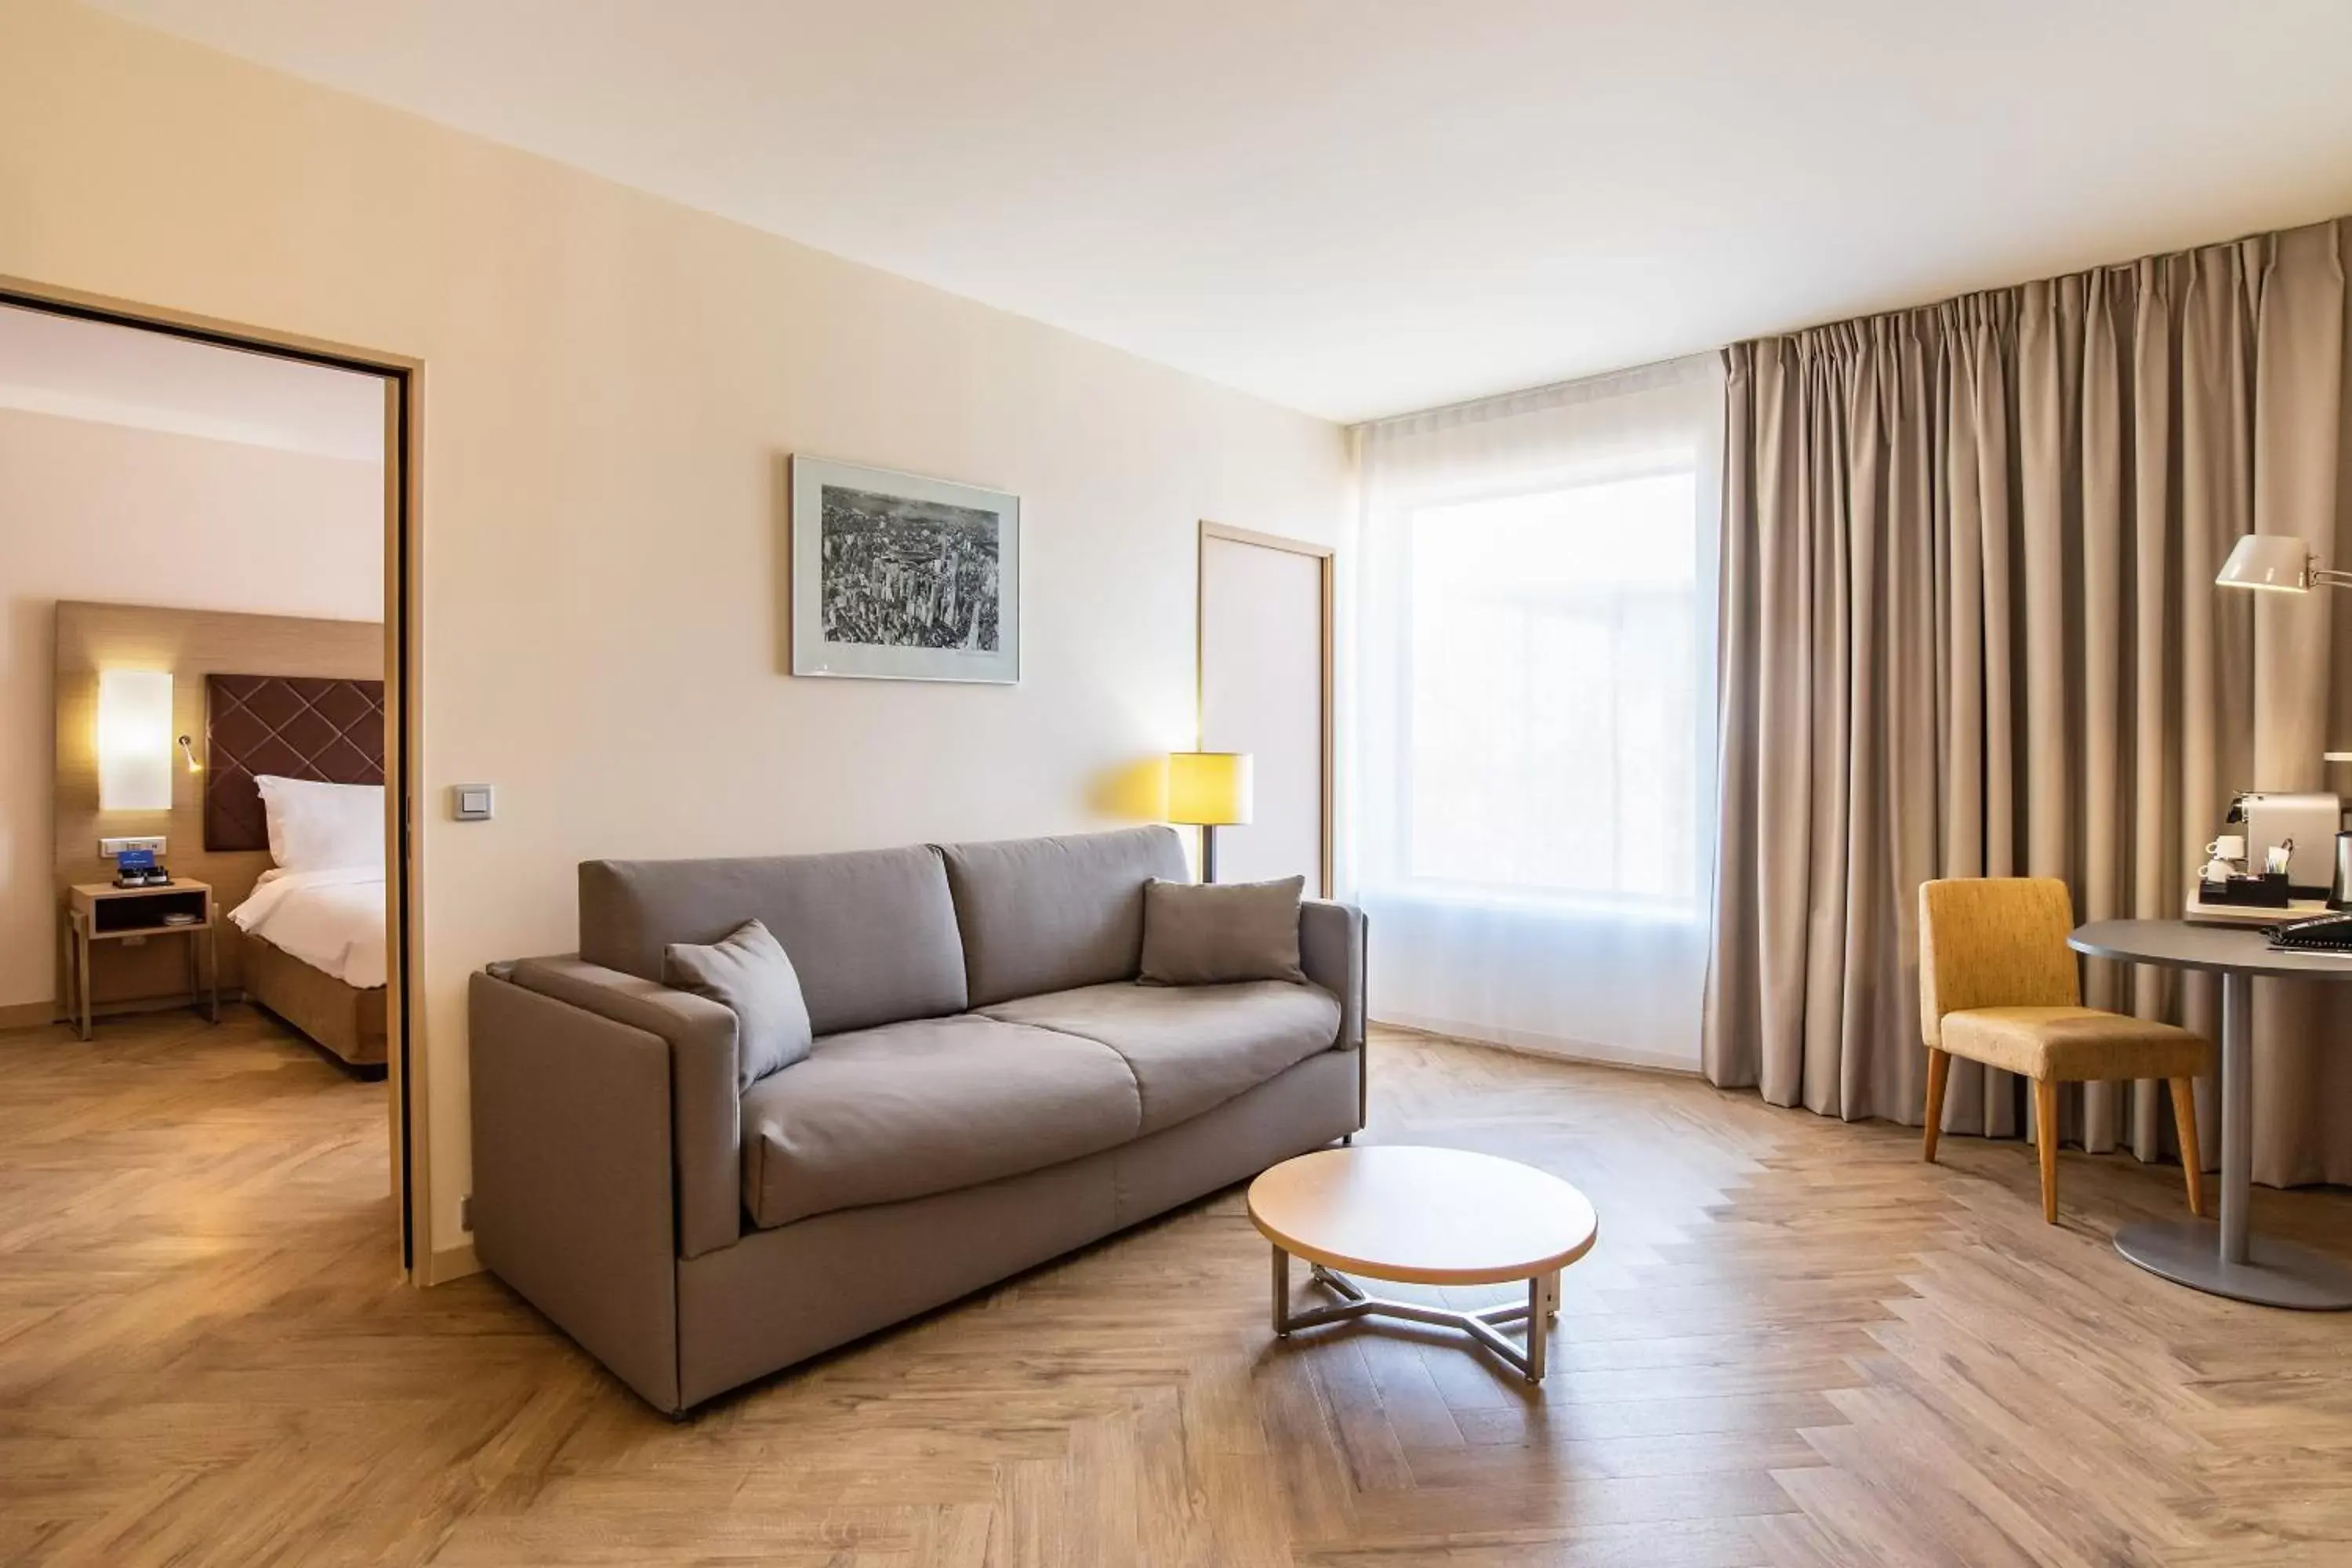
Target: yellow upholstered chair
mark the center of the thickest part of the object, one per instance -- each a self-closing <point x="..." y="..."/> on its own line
<point x="1998" y="985"/>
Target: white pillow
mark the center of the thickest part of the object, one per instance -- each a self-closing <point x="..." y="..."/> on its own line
<point x="318" y="827"/>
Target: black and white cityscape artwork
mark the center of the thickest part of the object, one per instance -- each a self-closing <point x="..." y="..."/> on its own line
<point x="897" y="572"/>
<point x="898" y="577"/>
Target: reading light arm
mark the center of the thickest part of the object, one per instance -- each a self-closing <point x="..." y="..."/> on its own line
<point x="2327" y="575"/>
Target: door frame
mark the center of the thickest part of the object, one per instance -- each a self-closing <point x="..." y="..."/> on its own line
<point x="404" y="664"/>
<point x="1324" y="556"/>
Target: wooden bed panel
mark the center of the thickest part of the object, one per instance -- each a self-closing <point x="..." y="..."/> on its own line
<point x="344" y="1018"/>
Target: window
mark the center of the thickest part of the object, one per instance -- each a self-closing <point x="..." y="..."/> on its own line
<point x="1550" y="694"/>
<point x="1527" y="722"/>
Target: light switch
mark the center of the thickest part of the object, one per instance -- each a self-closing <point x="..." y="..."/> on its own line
<point x="473" y="803"/>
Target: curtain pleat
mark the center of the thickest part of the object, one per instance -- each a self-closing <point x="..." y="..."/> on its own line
<point x="1969" y="629"/>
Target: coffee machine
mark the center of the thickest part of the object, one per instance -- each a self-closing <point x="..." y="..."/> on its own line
<point x="2292" y="858"/>
<point x="2306" y="824"/>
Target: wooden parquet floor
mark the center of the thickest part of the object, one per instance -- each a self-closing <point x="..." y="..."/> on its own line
<point x="1795" y="1346"/>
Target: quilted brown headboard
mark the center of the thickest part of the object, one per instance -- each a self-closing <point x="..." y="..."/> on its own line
<point x="297" y="727"/>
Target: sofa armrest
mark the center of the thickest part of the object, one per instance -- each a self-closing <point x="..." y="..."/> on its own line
<point x="706" y="1111"/>
<point x="1331" y="951"/>
<point x="571" y="1175"/>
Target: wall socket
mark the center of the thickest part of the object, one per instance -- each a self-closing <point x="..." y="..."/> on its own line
<point x="466" y="1214"/>
<point x="109" y="847"/>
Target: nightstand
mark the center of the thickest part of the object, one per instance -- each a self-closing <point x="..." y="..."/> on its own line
<point x="100" y="911"/>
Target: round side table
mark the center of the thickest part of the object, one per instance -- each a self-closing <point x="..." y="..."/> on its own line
<point x="2227" y="1259"/>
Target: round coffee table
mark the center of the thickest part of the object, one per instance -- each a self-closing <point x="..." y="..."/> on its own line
<point x="1424" y="1217"/>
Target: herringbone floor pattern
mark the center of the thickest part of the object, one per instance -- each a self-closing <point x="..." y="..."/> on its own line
<point x="1795" y="1345"/>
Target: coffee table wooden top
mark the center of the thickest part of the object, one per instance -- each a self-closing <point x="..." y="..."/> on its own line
<point x="1426" y="1216"/>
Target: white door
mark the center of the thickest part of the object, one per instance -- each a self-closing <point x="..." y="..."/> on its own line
<point x="1264" y="651"/>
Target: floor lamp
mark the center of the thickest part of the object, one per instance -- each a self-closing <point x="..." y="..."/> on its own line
<point x="1209" y="790"/>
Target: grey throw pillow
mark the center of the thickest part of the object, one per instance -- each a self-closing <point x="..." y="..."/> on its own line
<point x="748" y="975"/>
<point x="1211" y="934"/>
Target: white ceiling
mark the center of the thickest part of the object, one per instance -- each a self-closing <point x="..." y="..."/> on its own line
<point x="122" y="376"/>
<point x="1366" y="207"/>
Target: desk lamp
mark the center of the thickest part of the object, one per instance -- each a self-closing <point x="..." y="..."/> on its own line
<point x="2279" y="563"/>
<point x="2282" y="563"/>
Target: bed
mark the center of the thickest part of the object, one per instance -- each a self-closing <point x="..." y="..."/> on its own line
<point x="315" y="956"/>
<point x="294" y="769"/>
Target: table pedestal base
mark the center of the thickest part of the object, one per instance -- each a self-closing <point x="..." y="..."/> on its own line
<point x="2275" y="1273"/>
<point x="1536" y="1312"/>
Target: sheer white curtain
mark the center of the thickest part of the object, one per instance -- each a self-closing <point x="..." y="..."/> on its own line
<point x="1531" y="761"/>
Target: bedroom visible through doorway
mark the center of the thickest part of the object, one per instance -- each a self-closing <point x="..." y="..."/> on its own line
<point x="199" y="858"/>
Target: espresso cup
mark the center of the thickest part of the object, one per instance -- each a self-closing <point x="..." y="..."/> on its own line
<point x="2229" y="846"/>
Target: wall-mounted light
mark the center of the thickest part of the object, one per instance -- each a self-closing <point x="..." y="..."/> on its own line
<point x="134" y="740"/>
<point x="188" y="750"/>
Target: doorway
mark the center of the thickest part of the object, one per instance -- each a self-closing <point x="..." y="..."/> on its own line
<point x="1264" y="641"/>
<point x="197" y="694"/>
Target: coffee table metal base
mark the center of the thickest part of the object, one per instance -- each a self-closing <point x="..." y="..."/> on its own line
<point x="2275" y="1273"/>
<point x="1483" y="1326"/>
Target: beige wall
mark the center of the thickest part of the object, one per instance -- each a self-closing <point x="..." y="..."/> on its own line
<point x="611" y="386"/>
<point x="109" y="512"/>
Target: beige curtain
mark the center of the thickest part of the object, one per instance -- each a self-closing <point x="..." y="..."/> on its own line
<point x="1969" y="629"/>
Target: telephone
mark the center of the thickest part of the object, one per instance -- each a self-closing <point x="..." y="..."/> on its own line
<point x="2322" y="933"/>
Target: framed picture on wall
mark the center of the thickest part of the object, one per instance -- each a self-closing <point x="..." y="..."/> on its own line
<point x="897" y="577"/>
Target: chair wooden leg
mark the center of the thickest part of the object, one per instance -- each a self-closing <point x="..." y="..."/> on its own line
<point x="2045" y="1142"/>
<point x="2184" y="1122"/>
<point x="1940" y="1073"/>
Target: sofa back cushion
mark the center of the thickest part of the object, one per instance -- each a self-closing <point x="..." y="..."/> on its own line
<point x="872" y="933"/>
<point x="1051" y="914"/>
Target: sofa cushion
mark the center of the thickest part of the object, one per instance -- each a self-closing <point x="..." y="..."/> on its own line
<point x="1048" y="914"/>
<point x="924" y="1107"/>
<point x="748" y="976"/>
<point x="1212" y="933"/>
<point x="872" y="933"/>
<point x="1192" y="1047"/>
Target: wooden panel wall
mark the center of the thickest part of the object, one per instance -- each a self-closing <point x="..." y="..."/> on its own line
<point x="191" y="644"/>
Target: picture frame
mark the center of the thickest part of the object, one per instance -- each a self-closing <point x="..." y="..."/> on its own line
<point x="896" y="576"/>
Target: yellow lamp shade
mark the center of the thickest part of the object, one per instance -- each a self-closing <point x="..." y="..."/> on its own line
<point x="1212" y="788"/>
<point x="134" y="740"/>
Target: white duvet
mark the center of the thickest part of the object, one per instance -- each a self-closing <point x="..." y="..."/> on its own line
<point x="331" y="920"/>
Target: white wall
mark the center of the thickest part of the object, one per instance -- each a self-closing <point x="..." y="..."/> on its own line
<point x="612" y="384"/>
<point x="109" y="512"/>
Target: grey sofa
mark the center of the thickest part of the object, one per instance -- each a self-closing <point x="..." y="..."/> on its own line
<point x="990" y="1088"/>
